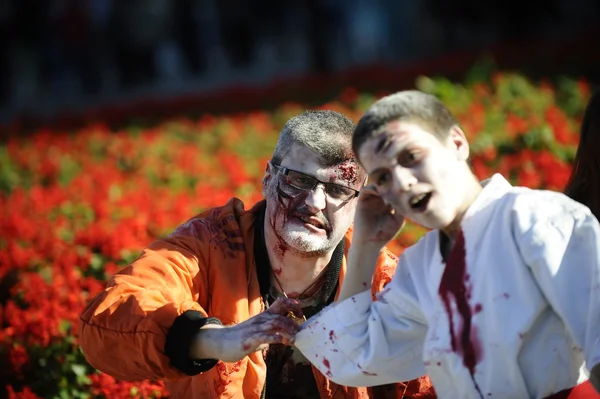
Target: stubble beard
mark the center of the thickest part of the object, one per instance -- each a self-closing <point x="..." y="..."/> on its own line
<point x="304" y="243"/>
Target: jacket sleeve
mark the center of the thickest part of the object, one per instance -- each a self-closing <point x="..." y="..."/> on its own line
<point x="150" y="308"/>
<point x="384" y="271"/>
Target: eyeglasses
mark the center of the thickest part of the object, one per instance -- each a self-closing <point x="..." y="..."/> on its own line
<point x="305" y="182"/>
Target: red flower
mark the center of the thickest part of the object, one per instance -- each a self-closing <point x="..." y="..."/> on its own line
<point x="26" y="393"/>
<point x="18" y="358"/>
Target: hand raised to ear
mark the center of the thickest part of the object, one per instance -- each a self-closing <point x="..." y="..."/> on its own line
<point x="375" y="221"/>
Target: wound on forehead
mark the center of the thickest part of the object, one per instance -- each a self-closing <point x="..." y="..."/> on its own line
<point x="348" y="171"/>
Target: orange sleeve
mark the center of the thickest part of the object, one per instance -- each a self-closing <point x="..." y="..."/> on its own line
<point x="384" y="271"/>
<point x="123" y="330"/>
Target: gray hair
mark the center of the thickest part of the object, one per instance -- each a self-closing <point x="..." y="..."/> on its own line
<point x="327" y="133"/>
<point x="406" y="106"/>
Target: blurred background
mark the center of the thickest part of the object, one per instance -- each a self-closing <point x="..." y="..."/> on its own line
<point x="120" y="120"/>
<point x="61" y="57"/>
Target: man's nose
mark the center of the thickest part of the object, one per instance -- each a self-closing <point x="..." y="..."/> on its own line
<point x="317" y="198"/>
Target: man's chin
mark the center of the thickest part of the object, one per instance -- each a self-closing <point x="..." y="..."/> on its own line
<point x="307" y="244"/>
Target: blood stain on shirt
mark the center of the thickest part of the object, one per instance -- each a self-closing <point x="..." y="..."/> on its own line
<point x="332" y="336"/>
<point x="328" y="365"/>
<point x="363" y="371"/>
<point x="246" y="346"/>
<point x="453" y="287"/>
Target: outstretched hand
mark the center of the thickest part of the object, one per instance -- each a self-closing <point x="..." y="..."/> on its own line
<point x="375" y="222"/>
<point x="273" y="326"/>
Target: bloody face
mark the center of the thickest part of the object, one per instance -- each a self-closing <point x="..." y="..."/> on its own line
<point x="310" y="222"/>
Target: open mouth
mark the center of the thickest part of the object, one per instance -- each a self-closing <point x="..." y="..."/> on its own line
<point x="312" y="221"/>
<point x="419" y="202"/>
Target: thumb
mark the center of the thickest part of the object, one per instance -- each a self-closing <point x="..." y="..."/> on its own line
<point x="282" y="306"/>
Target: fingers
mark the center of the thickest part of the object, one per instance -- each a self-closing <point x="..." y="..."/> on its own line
<point x="274" y="330"/>
<point x="280" y="324"/>
<point x="370" y="189"/>
<point x="284" y="305"/>
<point x="371" y="199"/>
<point x="374" y="201"/>
<point x="369" y="195"/>
<point x="276" y="338"/>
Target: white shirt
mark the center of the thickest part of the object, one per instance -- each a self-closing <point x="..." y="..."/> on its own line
<point x="531" y="294"/>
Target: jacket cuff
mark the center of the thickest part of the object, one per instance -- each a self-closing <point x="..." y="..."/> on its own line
<point x="180" y="338"/>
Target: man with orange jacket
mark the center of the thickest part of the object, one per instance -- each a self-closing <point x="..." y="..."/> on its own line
<point x="213" y="308"/>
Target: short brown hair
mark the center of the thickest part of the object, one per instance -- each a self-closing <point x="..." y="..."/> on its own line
<point x="406" y="106"/>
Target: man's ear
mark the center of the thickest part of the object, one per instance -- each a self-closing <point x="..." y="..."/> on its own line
<point x="267" y="177"/>
<point x="459" y="141"/>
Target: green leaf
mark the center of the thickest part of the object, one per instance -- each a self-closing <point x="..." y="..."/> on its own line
<point x="64" y="327"/>
<point x="78" y="369"/>
<point x="9" y="176"/>
<point x="97" y="262"/>
<point x="83" y="380"/>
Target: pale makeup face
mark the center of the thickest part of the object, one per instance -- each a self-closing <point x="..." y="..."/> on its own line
<point x="421" y="177"/>
<point x="308" y="222"/>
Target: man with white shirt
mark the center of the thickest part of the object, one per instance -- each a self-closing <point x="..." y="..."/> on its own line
<point x="501" y="299"/>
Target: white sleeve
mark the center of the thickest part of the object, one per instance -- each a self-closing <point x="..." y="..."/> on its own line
<point x="559" y="240"/>
<point x="359" y="343"/>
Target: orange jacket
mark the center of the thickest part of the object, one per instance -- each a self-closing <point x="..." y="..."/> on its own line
<point x="206" y="265"/>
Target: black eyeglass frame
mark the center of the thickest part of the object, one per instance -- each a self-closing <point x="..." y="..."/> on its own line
<point x="285" y="172"/>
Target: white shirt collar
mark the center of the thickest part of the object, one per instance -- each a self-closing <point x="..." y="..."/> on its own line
<point x="493" y="188"/>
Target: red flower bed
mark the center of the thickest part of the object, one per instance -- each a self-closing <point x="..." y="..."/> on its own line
<point x="77" y="207"/>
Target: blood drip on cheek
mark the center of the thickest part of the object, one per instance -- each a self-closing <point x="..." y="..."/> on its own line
<point x="280" y="247"/>
<point x="348" y="172"/>
<point x="284" y="212"/>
